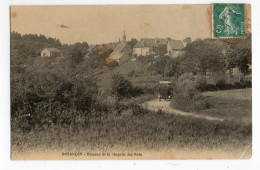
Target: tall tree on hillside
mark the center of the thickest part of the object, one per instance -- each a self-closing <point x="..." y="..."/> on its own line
<point x="241" y="57"/>
<point x="83" y="47"/>
<point x="76" y="56"/>
<point x="201" y="55"/>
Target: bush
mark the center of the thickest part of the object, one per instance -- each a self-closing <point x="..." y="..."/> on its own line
<point x="248" y="84"/>
<point x="220" y="84"/>
<point x="131" y="74"/>
<point x="238" y="85"/>
<point x="186" y="95"/>
<point x="137" y="110"/>
<point x="208" y="87"/>
<point x="121" y="87"/>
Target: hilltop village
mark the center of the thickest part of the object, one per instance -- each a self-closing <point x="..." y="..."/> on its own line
<point x="143" y="54"/>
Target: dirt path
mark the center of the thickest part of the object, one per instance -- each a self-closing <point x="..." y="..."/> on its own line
<point x="165" y="106"/>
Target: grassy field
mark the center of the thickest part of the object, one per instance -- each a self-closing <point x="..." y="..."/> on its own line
<point x="233" y="105"/>
<point x="153" y="131"/>
<point x="136" y="128"/>
<point x="123" y="125"/>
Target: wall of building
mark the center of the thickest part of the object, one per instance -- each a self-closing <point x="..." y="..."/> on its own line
<point x="175" y="53"/>
<point x="55" y="54"/>
<point x="45" y="53"/>
<point x="141" y="51"/>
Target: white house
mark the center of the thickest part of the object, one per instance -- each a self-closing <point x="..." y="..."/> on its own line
<point x="51" y="52"/>
<point x="146" y="45"/>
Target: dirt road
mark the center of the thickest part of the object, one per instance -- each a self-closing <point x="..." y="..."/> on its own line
<point x="156" y="105"/>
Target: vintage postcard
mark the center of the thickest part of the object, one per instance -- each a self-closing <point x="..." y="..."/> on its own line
<point x="140" y="82"/>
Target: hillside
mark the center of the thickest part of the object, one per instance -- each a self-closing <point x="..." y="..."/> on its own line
<point x="105" y="75"/>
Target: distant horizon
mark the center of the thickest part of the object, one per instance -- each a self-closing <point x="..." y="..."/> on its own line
<point x="98" y="43"/>
<point x="104" y="24"/>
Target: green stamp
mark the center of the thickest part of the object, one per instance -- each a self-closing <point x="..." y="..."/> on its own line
<point x="228" y="21"/>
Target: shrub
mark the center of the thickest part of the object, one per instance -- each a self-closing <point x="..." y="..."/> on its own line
<point x="137" y="110"/>
<point x="248" y="84"/>
<point x="220" y="84"/>
<point x="121" y="87"/>
<point x="208" y="87"/>
<point x="131" y="74"/>
<point x="238" y="85"/>
<point x="186" y="95"/>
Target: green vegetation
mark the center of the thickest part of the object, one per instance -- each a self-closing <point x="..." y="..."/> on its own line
<point x="186" y="95"/>
<point x="233" y="105"/>
<point x="73" y="103"/>
<point x="131" y="130"/>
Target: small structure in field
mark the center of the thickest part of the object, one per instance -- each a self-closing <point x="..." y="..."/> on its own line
<point x="51" y="52"/>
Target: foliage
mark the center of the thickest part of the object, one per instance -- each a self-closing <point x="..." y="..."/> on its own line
<point x="165" y="66"/>
<point x="121" y="87"/>
<point x="132" y="43"/>
<point x="117" y="132"/>
<point x="131" y="74"/>
<point x="187" y="40"/>
<point x="187" y="97"/>
<point x="56" y="104"/>
<point x="82" y="47"/>
<point x="25" y="48"/>
<point x="76" y="56"/>
<point x="202" y="55"/>
<point x="97" y="57"/>
<point x="160" y="50"/>
<point x="240" y="58"/>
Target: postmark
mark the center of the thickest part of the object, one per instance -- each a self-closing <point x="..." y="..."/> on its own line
<point x="228" y="21"/>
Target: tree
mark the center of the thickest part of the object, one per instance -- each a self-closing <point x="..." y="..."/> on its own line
<point x="240" y="58"/>
<point x="201" y="55"/>
<point x="171" y="68"/>
<point x="187" y="40"/>
<point x="160" y="50"/>
<point x="76" y="56"/>
<point x="83" y="47"/>
<point x="165" y="66"/>
<point x="132" y="42"/>
<point x="121" y="87"/>
<point x="187" y="97"/>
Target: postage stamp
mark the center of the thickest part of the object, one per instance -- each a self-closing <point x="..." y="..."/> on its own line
<point x="228" y="21"/>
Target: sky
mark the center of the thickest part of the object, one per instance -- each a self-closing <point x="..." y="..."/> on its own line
<point x="106" y="23"/>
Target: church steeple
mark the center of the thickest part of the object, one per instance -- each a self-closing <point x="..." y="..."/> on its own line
<point x="124" y="37"/>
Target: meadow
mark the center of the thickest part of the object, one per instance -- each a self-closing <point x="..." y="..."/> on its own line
<point x="132" y="127"/>
<point x="234" y="105"/>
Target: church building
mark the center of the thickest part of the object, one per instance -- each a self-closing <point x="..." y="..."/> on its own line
<point x="122" y="53"/>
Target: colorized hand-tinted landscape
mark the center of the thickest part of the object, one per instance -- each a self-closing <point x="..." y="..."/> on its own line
<point x="153" y="94"/>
